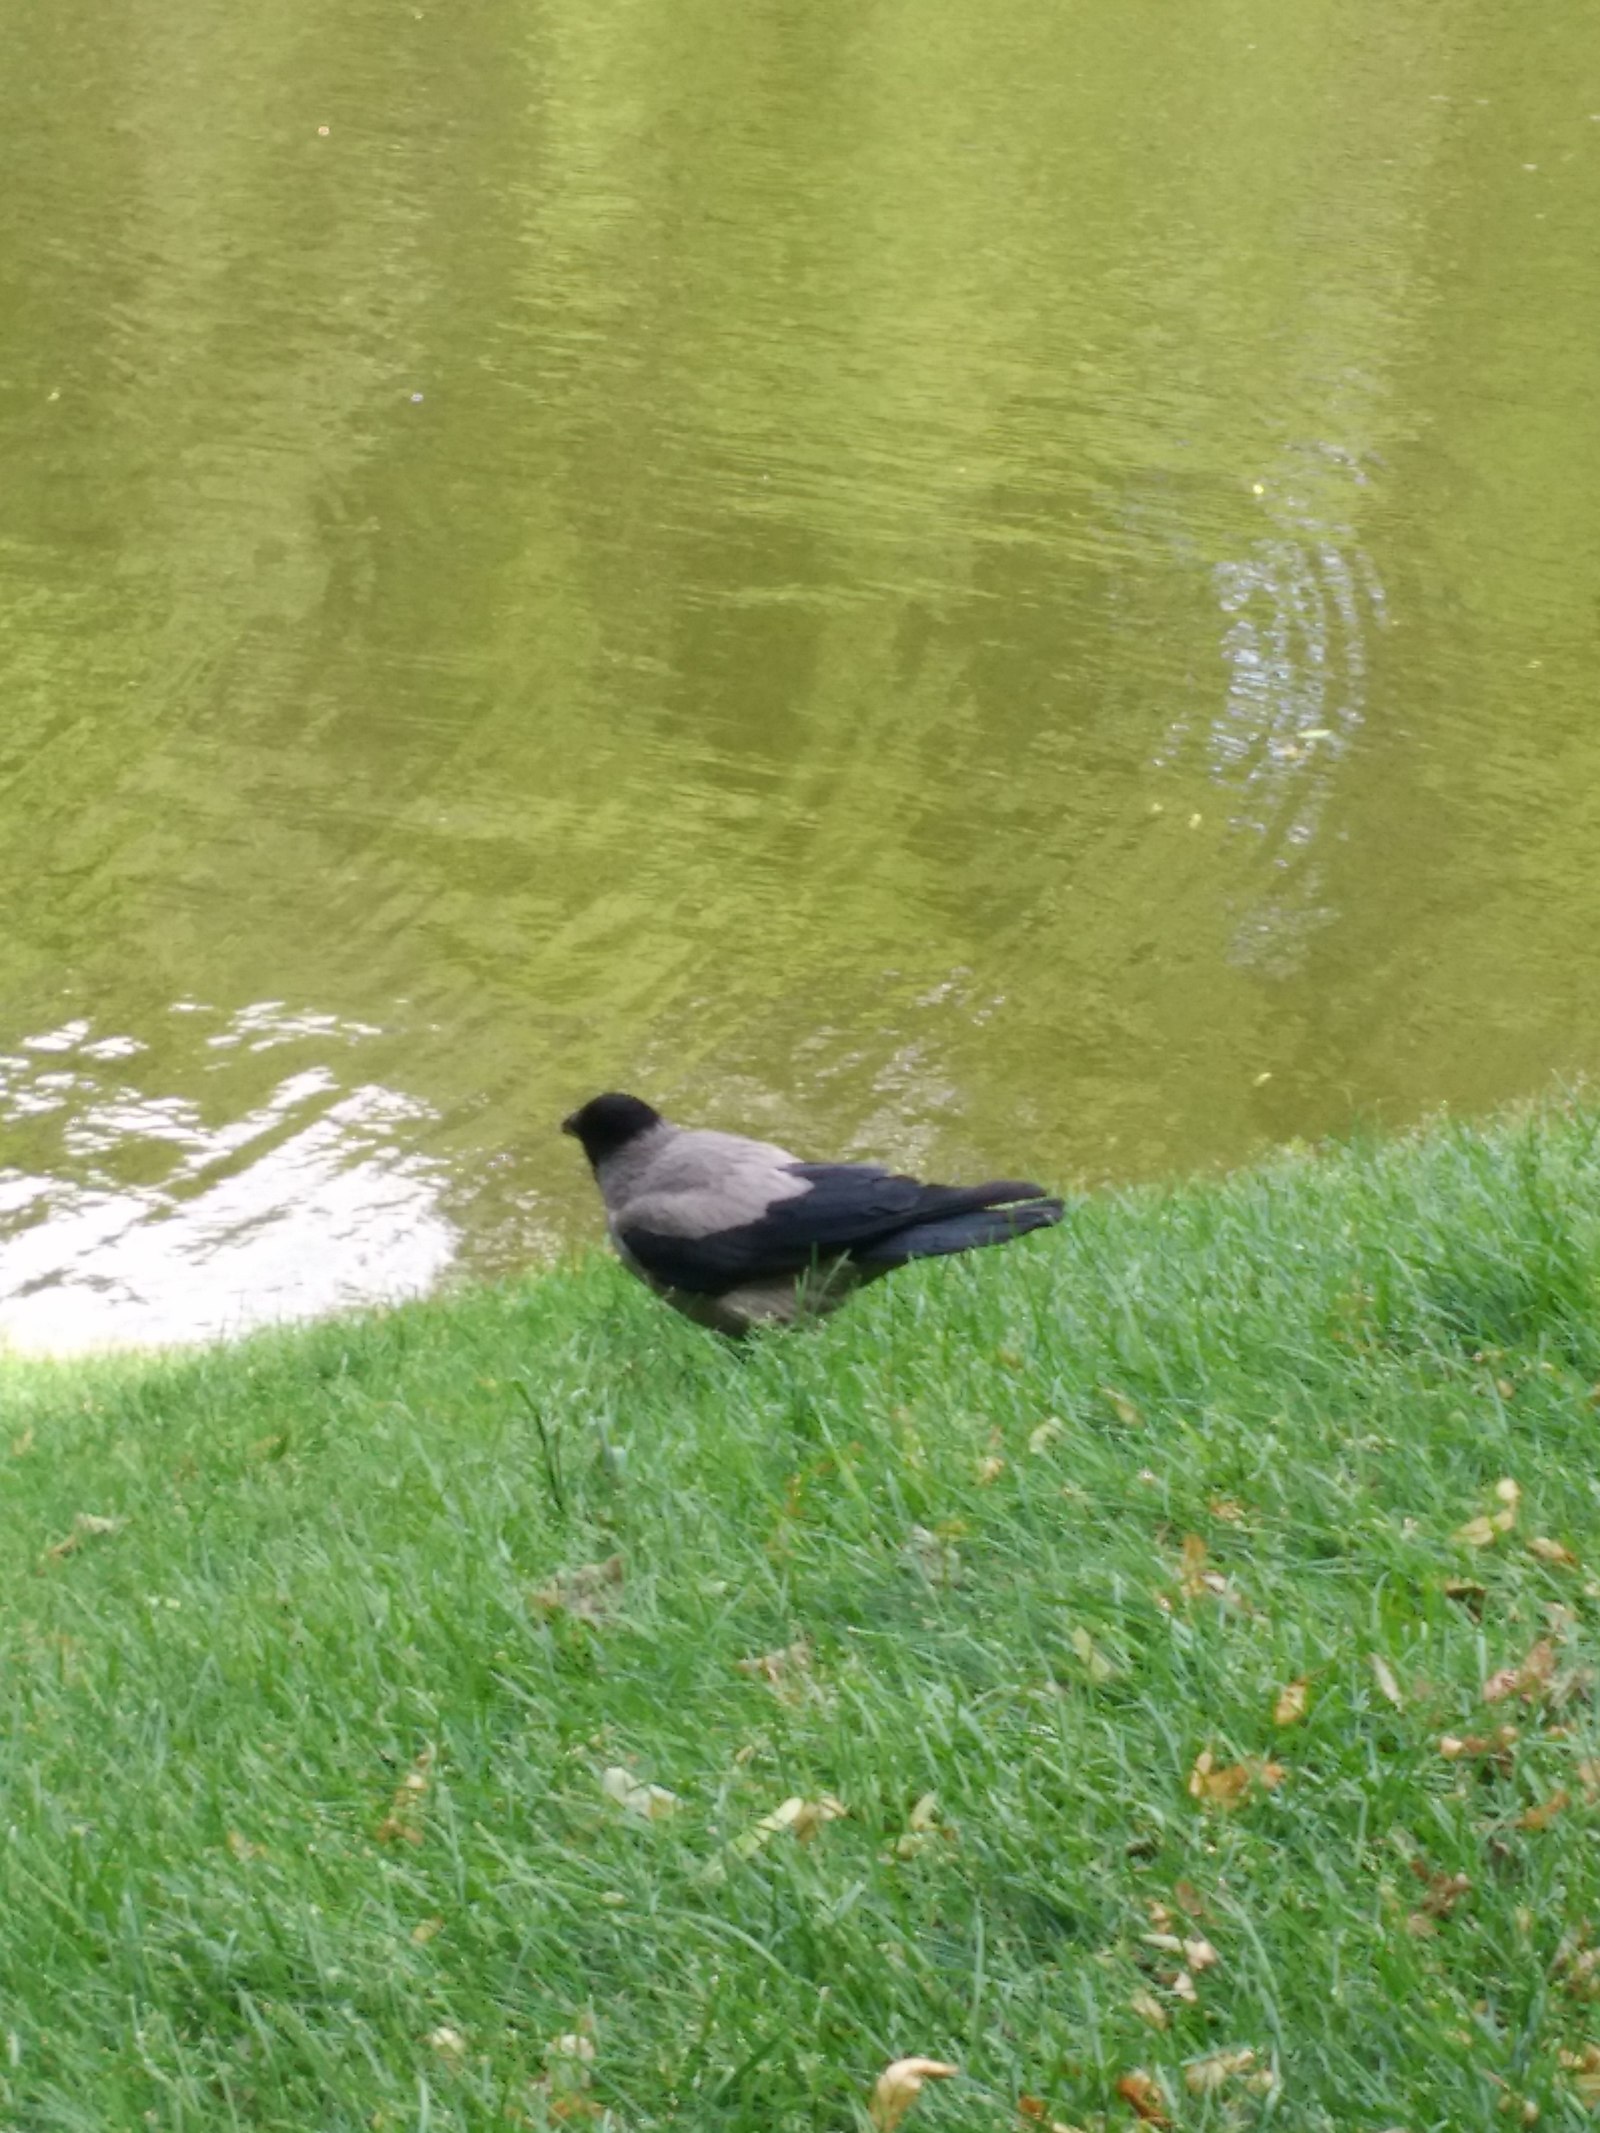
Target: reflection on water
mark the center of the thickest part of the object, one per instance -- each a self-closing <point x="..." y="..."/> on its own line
<point x="1000" y="592"/>
<point x="1298" y="610"/>
<point x="147" y="1222"/>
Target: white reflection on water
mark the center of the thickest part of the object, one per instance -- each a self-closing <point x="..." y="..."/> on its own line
<point x="1298" y="609"/>
<point x="299" y="1202"/>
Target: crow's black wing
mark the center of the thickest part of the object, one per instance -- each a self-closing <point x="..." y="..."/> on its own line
<point x="847" y="1205"/>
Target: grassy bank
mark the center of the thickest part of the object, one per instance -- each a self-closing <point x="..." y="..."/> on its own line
<point x="327" y="1786"/>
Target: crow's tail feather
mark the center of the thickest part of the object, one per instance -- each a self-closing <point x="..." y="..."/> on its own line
<point x="959" y="1232"/>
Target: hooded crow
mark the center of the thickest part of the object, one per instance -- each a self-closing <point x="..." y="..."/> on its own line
<point x="736" y="1233"/>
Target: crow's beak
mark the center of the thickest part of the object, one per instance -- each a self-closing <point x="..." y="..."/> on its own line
<point x="570" y="1123"/>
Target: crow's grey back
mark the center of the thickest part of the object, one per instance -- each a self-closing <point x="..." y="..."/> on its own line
<point x="681" y="1182"/>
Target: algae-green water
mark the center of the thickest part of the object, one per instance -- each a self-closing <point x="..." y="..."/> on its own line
<point x="1007" y="587"/>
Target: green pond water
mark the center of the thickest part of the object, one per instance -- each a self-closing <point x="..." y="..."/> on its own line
<point x="1008" y="587"/>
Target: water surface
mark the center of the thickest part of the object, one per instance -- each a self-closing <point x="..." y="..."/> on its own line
<point x="1011" y="588"/>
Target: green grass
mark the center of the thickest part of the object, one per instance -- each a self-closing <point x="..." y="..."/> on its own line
<point x="322" y="1571"/>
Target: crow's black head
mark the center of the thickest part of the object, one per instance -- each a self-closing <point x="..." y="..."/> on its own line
<point x="606" y="1123"/>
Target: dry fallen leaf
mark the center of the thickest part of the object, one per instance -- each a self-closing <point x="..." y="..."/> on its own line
<point x="1530" y="1679"/>
<point x="1552" y="1551"/>
<point x="1203" y="2077"/>
<point x="1143" y="2092"/>
<point x="898" y="2087"/>
<point x="1584" y="2069"/>
<point x="1456" y="1747"/>
<point x="1227" y="1509"/>
<point x="989" y="1469"/>
<point x="1290" y="1707"/>
<point x="403" y="1823"/>
<point x="590" y="1593"/>
<point x="651" y="1803"/>
<point x="1122" y="1407"/>
<point x="1229" y="1787"/>
<point x="1225" y="1788"/>
<point x="448" y="2042"/>
<point x="88" y="1525"/>
<point x="783" y="1671"/>
<point x="1192" y="1568"/>
<point x="936" y="1558"/>
<point x="1541" y="1817"/>
<point x="1197" y="1582"/>
<point x="567" y="2060"/>
<point x="802" y="1818"/>
<point x="242" y="1848"/>
<point x="1041" y="1438"/>
<point x="1037" y="2112"/>
<point x="1445" y="1891"/>
<point x="923" y="1827"/>
<point x="425" y="1929"/>
<point x="1200" y="1955"/>
<point x="1383" y="1674"/>
<point x="1477" y="1533"/>
<point x="1095" y="1663"/>
<point x="1148" y="2008"/>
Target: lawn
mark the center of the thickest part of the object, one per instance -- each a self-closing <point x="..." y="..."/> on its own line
<point x="1149" y="1669"/>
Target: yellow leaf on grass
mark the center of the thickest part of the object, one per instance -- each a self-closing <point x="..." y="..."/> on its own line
<point x="1383" y="1674"/>
<point x="1529" y="1679"/>
<point x="1200" y="1955"/>
<point x="1197" y="1582"/>
<point x="1217" y="1787"/>
<point x="1095" y="1663"/>
<point x="449" y="2043"/>
<point x="242" y="1848"/>
<point x="1583" y="2067"/>
<point x="924" y="1816"/>
<point x="1041" y="1438"/>
<point x="1149" y="2009"/>
<point x="1541" y="1817"/>
<point x="1203" y="2077"/>
<point x="88" y="1525"/>
<point x="990" y="1469"/>
<point x="898" y="2087"/>
<point x="590" y="1593"/>
<point x="1122" y="1407"/>
<point x="1142" y="2092"/>
<point x="934" y="1555"/>
<point x="567" y="2060"/>
<point x="425" y="1929"/>
<point x="1456" y="1747"/>
<point x="1037" y="2112"/>
<point x="802" y="1818"/>
<point x="1192" y="1567"/>
<point x="1290" y="1707"/>
<point x="1477" y="1533"/>
<point x="782" y="1670"/>
<point x="1552" y="1551"/>
<point x="403" y="1823"/>
<point x="651" y="1803"/>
